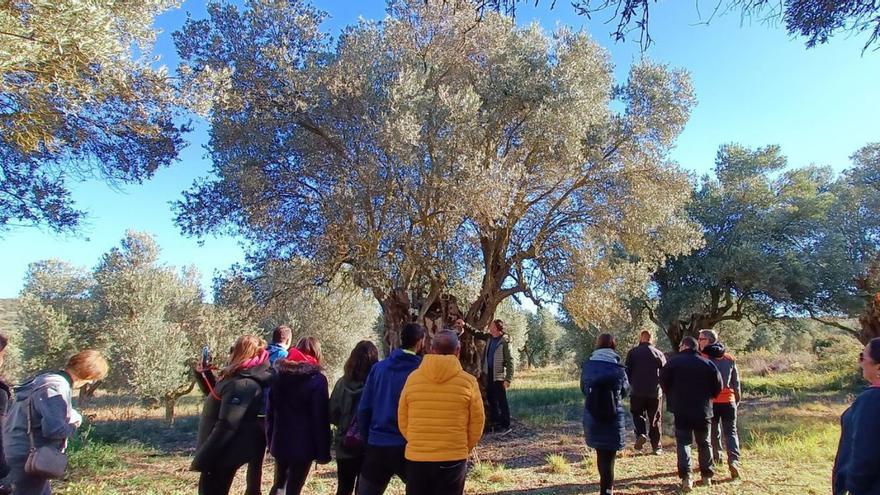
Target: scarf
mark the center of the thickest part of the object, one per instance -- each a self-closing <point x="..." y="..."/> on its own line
<point x="297" y="356"/>
<point x="261" y="358"/>
<point x="607" y="355"/>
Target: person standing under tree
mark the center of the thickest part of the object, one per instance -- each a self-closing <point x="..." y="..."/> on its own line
<point x="498" y="373"/>
<point x="724" y="406"/>
<point x="643" y="365"/>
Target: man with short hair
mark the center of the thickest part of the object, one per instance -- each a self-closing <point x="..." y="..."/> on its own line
<point x="643" y="364"/>
<point x="441" y="416"/>
<point x="281" y="339"/>
<point x="498" y="373"/>
<point x="377" y="413"/>
<point x="690" y="382"/>
<point x="724" y="406"/>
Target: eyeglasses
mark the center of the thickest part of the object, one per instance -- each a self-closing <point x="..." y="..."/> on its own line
<point x="862" y="357"/>
<point x="702" y="338"/>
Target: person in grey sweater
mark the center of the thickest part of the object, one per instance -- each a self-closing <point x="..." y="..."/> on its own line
<point x="45" y="402"/>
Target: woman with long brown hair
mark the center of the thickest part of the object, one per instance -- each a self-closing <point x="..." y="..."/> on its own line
<point x="348" y="443"/>
<point x="230" y="433"/>
<point x="298" y="417"/>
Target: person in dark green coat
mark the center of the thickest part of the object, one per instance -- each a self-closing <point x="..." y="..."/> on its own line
<point x="348" y="443"/>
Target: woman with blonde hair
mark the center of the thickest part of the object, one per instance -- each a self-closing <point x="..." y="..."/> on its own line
<point x="298" y="417"/>
<point x="43" y="416"/>
<point x="230" y="430"/>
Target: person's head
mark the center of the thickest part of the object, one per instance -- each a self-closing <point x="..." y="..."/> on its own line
<point x="606" y="341"/>
<point x="311" y="347"/>
<point x="496" y="328"/>
<point x="412" y="337"/>
<point x="458" y="324"/>
<point x="869" y="359"/>
<point x="245" y="347"/>
<point x="282" y="335"/>
<point x="362" y="358"/>
<point x="707" y="337"/>
<point x="687" y="344"/>
<point x="646" y="336"/>
<point x="446" y="343"/>
<point x="86" y="367"/>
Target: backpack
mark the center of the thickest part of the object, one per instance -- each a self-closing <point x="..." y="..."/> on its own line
<point x="352" y="440"/>
<point x="600" y="404"/>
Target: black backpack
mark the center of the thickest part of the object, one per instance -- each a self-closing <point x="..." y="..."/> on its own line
<point x="600" y="403"/>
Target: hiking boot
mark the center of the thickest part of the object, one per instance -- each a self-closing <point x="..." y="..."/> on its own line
<point x="706" y="481"/>
<point x="687" y="485"/>
<point x="640" y="441"/>
<point x="734" y="470"/>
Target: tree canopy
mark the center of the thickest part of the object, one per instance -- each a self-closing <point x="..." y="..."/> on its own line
<point x="79" y="98"/>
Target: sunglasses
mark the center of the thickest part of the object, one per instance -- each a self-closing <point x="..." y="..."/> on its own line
<point x="862" y="357"/>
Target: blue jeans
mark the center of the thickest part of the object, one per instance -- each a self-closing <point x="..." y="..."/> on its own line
<point x="724" y="418"/>
<point x="684" y="436"/>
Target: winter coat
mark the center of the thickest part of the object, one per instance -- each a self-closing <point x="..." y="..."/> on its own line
<point x="502" y="360"/>
<point x="643" y="364"/>
<point x="441" y="411"/>
<point x="857" y="465"/>
<point x="343" y="409"/>
<point x="690" y="382"/>
<point x="726" y="364"/>
<point x="299" y="413"/>
<point x="276" y="352"/>
<point x="604" y="385"/>
<point x="231" y="433"/>
<point x="53" y="416"/>
<point x="5" y="397"/>
<point x="377" y="410"/>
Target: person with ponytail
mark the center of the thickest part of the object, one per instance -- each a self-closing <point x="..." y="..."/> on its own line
<point x="230" y="431"/>
<point x="298" y="417"/>
<point x="857" y="465"/>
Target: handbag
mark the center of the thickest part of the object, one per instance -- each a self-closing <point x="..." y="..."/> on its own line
<point x="352" y="440"/>
<point x="46" y="461"/>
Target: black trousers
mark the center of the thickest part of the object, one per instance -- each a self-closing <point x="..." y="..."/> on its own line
<point x="255" y="476"/>
<point x="647" y="417"/>
<point x="605" y="463"/>
<point x="499" y="411"/>
<point x="216" y="481"/>
<point x="291" y="476"/>
<point x="684" y="436"/>
<point x="724" y="420"/>
<point x="347" y="471"/>
<point x="436" y="478"/>
<point x="380" y="465"/>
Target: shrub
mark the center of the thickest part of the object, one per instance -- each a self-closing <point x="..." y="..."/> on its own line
<point x="558" y="464"/>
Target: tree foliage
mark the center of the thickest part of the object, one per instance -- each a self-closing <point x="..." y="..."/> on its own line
<point x="78" y="98"/>
<point x="543" y="335"/>
<point x="419" y="147"/>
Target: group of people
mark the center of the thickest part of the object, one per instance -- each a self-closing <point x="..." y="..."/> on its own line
<point x="38" y="419"/>
<point x="417" y="414"/>
<point x="702" y="390"/>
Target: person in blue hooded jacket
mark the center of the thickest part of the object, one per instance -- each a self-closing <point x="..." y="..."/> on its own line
<point x="377" y="413"/>
<point x="857" y="465"/>
<point x="604" y="384"/>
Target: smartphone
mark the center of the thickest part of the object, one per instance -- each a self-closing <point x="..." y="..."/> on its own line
<point x="206" y="356"/>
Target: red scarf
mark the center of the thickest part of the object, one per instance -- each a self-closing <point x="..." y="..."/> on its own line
<point x="297" y="356"/>
<point x="261" y="358"/>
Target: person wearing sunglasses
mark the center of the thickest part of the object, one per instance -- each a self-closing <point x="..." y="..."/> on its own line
<point x="857" y="465"/>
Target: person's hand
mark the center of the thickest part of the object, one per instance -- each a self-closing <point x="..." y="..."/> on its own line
<point x="200" y="367"/>
<point x="75" y="418"/>
<point x="506" y="384"/>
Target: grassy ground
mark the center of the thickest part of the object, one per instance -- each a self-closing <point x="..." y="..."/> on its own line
<point x="788" y="428"/>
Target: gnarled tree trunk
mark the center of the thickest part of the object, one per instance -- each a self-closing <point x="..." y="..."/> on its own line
<point x="870" y="320"/>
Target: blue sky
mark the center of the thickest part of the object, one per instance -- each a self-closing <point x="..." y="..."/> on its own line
<point x="755" y="86"/>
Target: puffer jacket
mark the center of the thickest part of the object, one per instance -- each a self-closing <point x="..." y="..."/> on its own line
<point x="231" y="431"/>
<point x="343" y="409"/>
<point x="726" y="364"/>
<point x="502" y="360"/>
<point x="857" y="465"/>
<point x="53" y="415"/>
<point x="602" y="374"/>
<point x="299" y="413"/>
<point x="440" y="411"/>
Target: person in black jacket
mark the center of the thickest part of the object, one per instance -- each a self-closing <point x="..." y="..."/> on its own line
<point x="5" y="397"/>
<point x="643" y="364"/>
<point x="299" y="417"/>
<point x="691" y="382"/>
<point x="230" y="431"/>
<point x="857" y="465"/>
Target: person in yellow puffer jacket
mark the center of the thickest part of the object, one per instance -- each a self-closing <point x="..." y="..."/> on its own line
<point x="441" y="416"/>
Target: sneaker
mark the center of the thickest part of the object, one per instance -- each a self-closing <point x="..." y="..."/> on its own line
<point x="501" y="431"/>
<point x="734" y="470"/>
<point x="640" y="441"/>
<point x="657" y="451"/>
<point x="687" y="485"/>
<point x="706" y="481"/>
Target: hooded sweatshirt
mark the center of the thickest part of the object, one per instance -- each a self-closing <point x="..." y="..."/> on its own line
<point x="441" y="411"/>
<point x="730" y="387"/>
<point x="343" y="408"/>
<point x="53" y="416"/>
<point x="377" y="409"/>
<point x="276" y="352"/>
